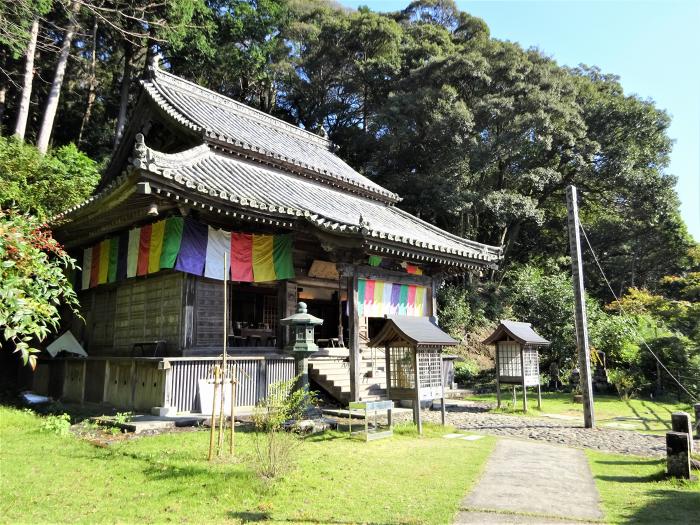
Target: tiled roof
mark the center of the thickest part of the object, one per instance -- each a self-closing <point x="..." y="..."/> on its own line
<point x="521" y="332"/>
<point x="224" y="121"/>
<point x="415" y="330"/>
<point x="250" y="184"/>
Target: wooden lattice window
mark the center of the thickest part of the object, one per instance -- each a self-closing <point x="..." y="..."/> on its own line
<point x="509" y="359"/>
<point x="429" y="368"/>
<point x="401" y="367"/>
<point x="270" y="311"/>
<point x="532" y="365"/>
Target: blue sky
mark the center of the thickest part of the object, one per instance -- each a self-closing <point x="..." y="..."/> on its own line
<point x="653" y="45"/>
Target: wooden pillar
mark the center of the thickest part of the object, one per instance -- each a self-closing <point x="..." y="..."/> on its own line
<point x="167" y="372"/>
<point x="354" y="335"/>
<point x="433" y="298"/>
<point x="416" y="400"/>
<point x="584" y="354"/>
<point x="132" y="374"/>
<point x="105" y="385"/>
<point x="387" y="371"/>
<point x="498" y="383"/>
<point x="539" y="396"/>
<point x="84" y="379"/>
<point x="522" y="377"/>
<point x="442" y="399"/>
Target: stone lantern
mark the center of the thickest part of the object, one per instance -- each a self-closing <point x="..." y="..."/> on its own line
<point x="302" y="343"/>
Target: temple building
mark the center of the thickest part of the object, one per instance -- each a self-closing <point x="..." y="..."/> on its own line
<point x="202" y="186"/>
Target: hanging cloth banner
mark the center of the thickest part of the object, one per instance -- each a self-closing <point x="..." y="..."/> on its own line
<point x="193" y="249"/>
<point x="380" y="298"/>
<point x="188" y="246"/>
<point x="218" y="245"/>
<point x="242" y="257"/>
<point x="261" y="258"/>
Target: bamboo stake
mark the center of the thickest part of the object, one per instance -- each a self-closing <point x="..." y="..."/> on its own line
<point x="222" y="420"/>
<point x="213" y="412"/>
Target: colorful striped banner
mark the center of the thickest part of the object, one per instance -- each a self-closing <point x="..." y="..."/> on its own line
<point x="187" y="246"/>
<point x="380" y="298"/>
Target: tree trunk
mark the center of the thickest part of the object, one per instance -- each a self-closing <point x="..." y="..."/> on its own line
<point x="92" y="84"/>
<point x="42" y="142"/>
<point x="23" y="112"/>
<point x="124" y="93"/>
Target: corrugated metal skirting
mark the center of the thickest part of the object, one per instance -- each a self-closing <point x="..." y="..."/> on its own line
<point x="254" y="377"/>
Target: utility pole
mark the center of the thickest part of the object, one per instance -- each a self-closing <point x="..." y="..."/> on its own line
<point x="584" y="352"/>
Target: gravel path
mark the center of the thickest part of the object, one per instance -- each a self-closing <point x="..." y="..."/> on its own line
<point x="475" y="417"/>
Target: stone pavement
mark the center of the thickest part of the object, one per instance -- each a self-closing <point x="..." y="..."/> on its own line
<point x="526" y="482"/>
<point x="475" y="417"/>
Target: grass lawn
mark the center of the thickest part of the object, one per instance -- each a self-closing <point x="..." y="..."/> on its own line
<point x="48" y="478"/>
<point x="633" y="490"/>
<point x="610" y="412"/>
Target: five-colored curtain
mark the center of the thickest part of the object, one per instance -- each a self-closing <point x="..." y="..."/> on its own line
<point x="380" y="298"/>
<point x="188" y="246"/>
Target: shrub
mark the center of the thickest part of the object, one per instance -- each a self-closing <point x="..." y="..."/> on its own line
<point x="44" y="185"/>
<point x="56" y="424"/>
<point x="33" y="283"/>
<point x="465" y="371"/>
<point x="626" y="383"/>
<point x="275" y="448"/>
<point x="454" y="310"/>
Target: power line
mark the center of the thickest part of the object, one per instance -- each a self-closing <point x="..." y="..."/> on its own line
<point x="627" y="319"/>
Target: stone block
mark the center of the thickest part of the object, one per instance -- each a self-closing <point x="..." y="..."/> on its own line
<point x="696" y="406"/>
<point x="164" y="411"/>
<point x="680" y="422"/>
<point x="678" y="454"/>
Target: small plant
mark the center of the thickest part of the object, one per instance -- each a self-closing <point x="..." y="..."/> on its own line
<point x="121" y="418"/>
<point x="58" y="424"/>
<point x="274" y="446"/>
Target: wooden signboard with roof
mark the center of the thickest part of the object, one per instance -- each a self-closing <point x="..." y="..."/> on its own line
<point x="517" y="358"/>
<point x="413" y="351"/>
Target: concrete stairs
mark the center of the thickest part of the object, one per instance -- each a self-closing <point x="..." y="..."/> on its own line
<point x="332" y="374"/>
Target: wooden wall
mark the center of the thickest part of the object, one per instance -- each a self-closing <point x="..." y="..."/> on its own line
<point x="135" y="310"/>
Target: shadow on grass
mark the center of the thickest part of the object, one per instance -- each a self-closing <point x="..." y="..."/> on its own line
<point x="250" y="517"/>
<point x="658" y="462"/>
<point x="664" y="422"/>
<point x="669" y="506"/>
<point x="258" y="517"/>
<point x="657" y="476"/>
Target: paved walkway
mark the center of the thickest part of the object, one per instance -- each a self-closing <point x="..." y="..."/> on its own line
<point x="475" y="417"/>
<point x="526" y="482"/>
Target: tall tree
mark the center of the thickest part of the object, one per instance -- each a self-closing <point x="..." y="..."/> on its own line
<point x="47" y="122"/>
<point x="23" y="112"/>
<point x="92" y="82"/>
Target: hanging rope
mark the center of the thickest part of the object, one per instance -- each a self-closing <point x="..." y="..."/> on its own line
<point x="627" y="319"/>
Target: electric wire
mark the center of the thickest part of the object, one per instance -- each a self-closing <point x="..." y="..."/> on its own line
<point x="626" y="317"/>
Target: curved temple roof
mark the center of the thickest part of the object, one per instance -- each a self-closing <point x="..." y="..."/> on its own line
<point x="225" y="121"/>
<point x="254" y="185"/>
<point x="266" y="169"/>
